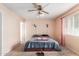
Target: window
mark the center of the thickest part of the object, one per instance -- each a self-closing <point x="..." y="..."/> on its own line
<point x="22" y="32"/>
<point x="71" y="24"/>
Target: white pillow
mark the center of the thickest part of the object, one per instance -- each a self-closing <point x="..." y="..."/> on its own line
<point x="38" y="38"/>
<point x="45" y="38"/>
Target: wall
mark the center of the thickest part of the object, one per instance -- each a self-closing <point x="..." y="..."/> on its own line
<point x="0" y="33"/>
<point x="11" y="29"/>
<point x="58" y="30"/>
<point x="41" y="28"/>
<point x="71" y="42"/>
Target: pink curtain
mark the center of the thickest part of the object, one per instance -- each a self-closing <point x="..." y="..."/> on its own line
<point x="62" y="31"/>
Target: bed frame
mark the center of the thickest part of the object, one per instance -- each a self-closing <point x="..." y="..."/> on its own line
<point x="39" y="49"/>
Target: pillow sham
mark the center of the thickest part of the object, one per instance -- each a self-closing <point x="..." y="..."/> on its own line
<point x="44" y="38"/>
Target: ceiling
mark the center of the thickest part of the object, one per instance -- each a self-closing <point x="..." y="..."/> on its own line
<point x="54" y="9"/>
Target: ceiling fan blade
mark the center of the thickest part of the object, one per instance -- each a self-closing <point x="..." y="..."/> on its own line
<point x="46" y="5"/>
<point x="45" y="12"/>
<point x="35" y="5"/>
<point x="31" y="10"/>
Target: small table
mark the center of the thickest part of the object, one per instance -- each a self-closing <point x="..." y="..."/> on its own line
<point x="40" y="53"/>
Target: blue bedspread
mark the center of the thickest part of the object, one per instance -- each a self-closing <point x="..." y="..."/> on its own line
<point x="42" y="44"/>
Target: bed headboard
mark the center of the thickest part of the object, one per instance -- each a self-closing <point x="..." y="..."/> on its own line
<point x="43" y="35"/>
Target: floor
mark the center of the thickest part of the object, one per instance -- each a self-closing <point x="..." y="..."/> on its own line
<point x="19" y="52"/>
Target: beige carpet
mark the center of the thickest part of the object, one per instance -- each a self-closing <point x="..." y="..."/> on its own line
<point x="19" y="52"/>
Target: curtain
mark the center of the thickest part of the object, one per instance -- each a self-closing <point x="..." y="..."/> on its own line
<point x="71" y="25"/>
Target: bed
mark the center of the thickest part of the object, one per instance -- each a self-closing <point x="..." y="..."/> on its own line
<point x="42" y="43"/>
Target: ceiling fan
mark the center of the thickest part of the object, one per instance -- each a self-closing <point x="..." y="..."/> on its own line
<point x="39" y="8"/>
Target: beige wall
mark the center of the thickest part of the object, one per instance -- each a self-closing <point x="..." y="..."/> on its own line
<point x="0" y="33"/>
<point x="11" y="29"/>
<point x="41" y="28"/>
<point x="71" y="42"/>
<point x="58" y="30"/>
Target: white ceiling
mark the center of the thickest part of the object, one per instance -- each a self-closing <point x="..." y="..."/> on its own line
<point x="54" y="9"/>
